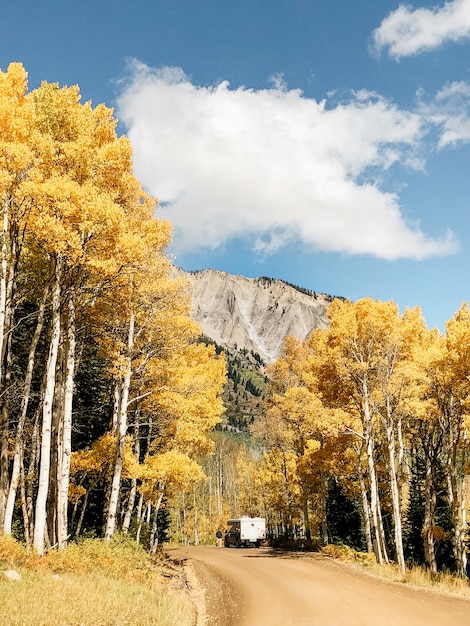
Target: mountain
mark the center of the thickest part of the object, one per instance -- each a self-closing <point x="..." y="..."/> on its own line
<point x="253" y="314"/>
<point x="248" y="320"/>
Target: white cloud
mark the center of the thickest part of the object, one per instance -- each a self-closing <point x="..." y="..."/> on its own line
<point x="453" y="102"/>
<point x="273" y="166"/>
<point x="449" y="111"/>
<point x="408" y="31"/>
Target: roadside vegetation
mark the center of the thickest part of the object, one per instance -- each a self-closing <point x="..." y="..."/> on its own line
<point x="416" y="576"/>
<point x="91" y="583"/>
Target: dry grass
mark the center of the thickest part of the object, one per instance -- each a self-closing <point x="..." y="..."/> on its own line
<point x="94" y="583"/>
<point x="416" y="576"/>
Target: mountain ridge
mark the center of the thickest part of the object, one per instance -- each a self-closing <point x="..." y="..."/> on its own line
<point x="254" y="314"/>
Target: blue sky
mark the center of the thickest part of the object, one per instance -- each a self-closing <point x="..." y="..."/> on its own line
<point x="324" y="143"/>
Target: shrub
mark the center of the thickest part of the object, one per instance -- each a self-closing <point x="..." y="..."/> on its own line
<point x="346" y="553"/>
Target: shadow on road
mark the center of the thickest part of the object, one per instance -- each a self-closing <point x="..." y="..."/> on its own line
<point x="275" y="553"/>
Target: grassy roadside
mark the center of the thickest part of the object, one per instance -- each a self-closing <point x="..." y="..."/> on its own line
<point x="416" y="576"/>
<point x="93" y="583"/>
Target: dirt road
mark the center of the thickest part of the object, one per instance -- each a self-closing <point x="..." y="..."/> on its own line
<point x="257" y="587"/>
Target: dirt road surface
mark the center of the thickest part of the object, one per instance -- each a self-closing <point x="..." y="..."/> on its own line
<point x="259" y="587"/>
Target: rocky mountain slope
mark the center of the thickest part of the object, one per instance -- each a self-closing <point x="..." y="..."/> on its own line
<point x="248" y="320"/>
<point x="253" y="314"/>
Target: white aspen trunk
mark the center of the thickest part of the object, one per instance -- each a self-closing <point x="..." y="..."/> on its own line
<point x="463" y="526"/>
<point x="183" y="521"/>
<point x="308" y="534"/>
<point x="196" y="529"/>
<point x="56" y="445"/>
<point x="122" y="431"/>
<point x="154" y="533"/>
<point x="10" y="290"/>
<point x="116" y="483"/>
<point x="133" y="492"/>
<point x="365" y="511"/>
<point x="15" y="475"/>
<point x="457" y="506"/>
<point x="63" y="464"/>
<point x="24" y="505"/>
<point x="116" y="408"/>
<point x="382" y="534"/>
<point x="323" y="503"/>
<point x="7" y="275"/>
<point x="401" y="450"/>
<point x="5" y="419"/>
<point x="140" y="505"/>
<point x="75" y="506"/>
<point x="26" y="484"/>
<point x="210" y="501"/>
<point x="4" y="479"/>
<point x="455" y="441"/>
<point x="374" y="492"/>
<point x="374" y="502"/>
<point x="45" y="460"/>
<point x="430" y="498"/>
<point x="140" y="517"/>
<point x="396" y="505"/>
<point x="403" y="467"/>
<point x="463" y="511"/>
<point x="459" y="529"/>
<point x="219" y="486"/>
<point x="82" y="514"/>
<point x="130" y="507"/>
<point x="429" y="507"/>
<point x="3" y="278"/>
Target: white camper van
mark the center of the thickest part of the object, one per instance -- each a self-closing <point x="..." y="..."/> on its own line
<point x="245" y="531"/>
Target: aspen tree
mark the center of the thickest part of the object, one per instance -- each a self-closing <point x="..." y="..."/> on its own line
<point x="187" y="401"/>
<point x="80" y="195"/>
<point x="135" y="347"/>
<point x="356" y="334"/>
<point x="399" y="377"/>
<point x="252" y="493"/>
<point x="16" y="160"/>
<point x="47" y="404"/>
<point x="456" y="422"/>
<point x="283" y="493"/>
<point x="62" y="196"/>
<point x="297" y="421"/>
<point x="426" y="435"/>
<point x="19" y="440"/>
<point x="443" y="429"/>
<point x="92" y="467"/>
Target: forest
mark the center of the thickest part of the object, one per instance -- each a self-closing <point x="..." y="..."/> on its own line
<point x="114" y="410"/>
<point x="362" y="440"/>
<point x="103" y="381"/>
